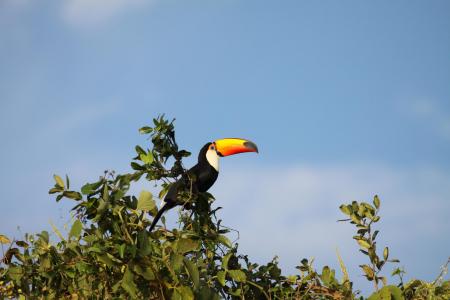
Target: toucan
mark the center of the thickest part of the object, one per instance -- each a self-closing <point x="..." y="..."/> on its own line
<point x="206" y="171"/>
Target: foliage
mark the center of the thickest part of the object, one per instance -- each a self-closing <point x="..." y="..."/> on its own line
<point x="363" y="216"/>
<point x="109" y="253"/>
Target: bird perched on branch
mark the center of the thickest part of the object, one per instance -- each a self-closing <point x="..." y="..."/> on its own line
<point x="205" y="172"/>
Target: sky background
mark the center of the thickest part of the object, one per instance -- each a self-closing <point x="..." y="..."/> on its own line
<point x="345" y="99"/>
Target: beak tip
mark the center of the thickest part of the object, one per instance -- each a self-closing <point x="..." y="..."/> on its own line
<point x="252" y="146"/>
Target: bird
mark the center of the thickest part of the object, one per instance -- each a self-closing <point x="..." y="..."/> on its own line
<point x="204" y="174"/>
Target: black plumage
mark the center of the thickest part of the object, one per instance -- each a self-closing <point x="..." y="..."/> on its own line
<point x="203" y="176"/>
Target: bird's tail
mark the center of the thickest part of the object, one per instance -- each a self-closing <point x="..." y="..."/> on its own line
<point x="158" y="216"/>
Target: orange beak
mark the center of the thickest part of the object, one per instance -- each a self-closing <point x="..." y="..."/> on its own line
<point x="230" y="146"/>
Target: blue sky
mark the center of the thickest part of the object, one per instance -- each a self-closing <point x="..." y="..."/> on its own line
<point x="345" y="100"/>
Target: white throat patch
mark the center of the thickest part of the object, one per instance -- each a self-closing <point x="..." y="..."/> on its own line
<point x="213" y="159"/>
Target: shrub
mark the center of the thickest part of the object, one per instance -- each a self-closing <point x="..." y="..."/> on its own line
<point x="109" y="253"/>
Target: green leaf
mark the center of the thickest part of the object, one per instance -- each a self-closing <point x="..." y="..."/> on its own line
<point x="368" y="271"/>
<point x="72" y="195"/>
<point x="396" y="293"/>
<point x="67" y="182"/>
<point x="225" y="260"/>
<point x="376" y="201"/>
<point x="186" y="293"/>
<point x="207" y="293"/>
<point x="59" y="181"/>
<point x="225" y="241"/>
<point x="45" y="263"/>
<point x="95" y="249"/>
<point x="396" y="271"/>
<point x="345" y="209"/>
<point x="146" y="158"/>
<point x="389" y="292"/>
<point x="113" y="258"/>
<point x="221" y="277"/>
<point x="182" y="293"/>
<point x="105" y="192"/>
<point x="55" y="190"/>
<point x="184" y="153"/>
<point x="143" y="243"/>
<point x="375" y="234"/>
<point x="386" y="253"/>
<point x="164" y="190"/>
<point x="89" y="238"/>
<point x="90" y="188"/>
<point x="145" y="130"/>
<point x="128" y="284"/>
<point x="139" y="150"/>
<point x="380" y="295"/>
<point x="326" y="275"/>
<point x="176" y="261"/>
<point x="237" y="293"/>
<point x="22" y="244"/>
<point x="75" y="231"/>
<point x="4" y="239"/>
<point x="363" y="244"/>
<point x="44" y="236"/>
<point x="15" y="273"/>
<point x="237" y="275"/>
<point x="176" y="295"/>
<point x="137" y="166"/>
<point x="121" y="250"/>
<point x="193" y="272"/>
<point x="145" y="201"/>
<point x="56" y="231"/>
<point x="145" y="272"/>
<point x="355" y="219"/>
<point x="187" y="245"/>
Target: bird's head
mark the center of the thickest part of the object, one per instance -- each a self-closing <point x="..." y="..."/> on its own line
<point x="229" y="146"/>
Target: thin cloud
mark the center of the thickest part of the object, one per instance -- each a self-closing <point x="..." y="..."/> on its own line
<point x="433" y="114"/>
<point x="88" y="13"/>
<point x="78" y="117"/>
<point x="81" y="14"/>
<point x="15" y="4"/>
<point x="292" y="212"/>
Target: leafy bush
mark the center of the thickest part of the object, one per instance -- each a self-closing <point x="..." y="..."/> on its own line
<point x="109" y="253"/>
